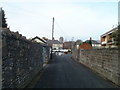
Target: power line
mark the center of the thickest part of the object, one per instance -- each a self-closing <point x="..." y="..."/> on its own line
<point x="60" y="28"/>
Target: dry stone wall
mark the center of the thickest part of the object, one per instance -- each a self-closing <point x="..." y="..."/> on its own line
<point x="21" y="59"/>
<point x="0" y="60"/>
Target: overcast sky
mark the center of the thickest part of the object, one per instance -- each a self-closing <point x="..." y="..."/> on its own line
<point x="80" y="19"/>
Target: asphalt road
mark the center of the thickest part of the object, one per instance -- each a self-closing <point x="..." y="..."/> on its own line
<point x="64" y="72"/>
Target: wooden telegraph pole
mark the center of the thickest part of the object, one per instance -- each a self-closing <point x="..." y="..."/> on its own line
<point x="52" y="34"/>
<point x="53" y="29"/>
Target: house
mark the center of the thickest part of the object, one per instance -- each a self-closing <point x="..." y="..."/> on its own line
<point x="78" y="43"/>
<point x="55" y="44"/>
<point x="45" y="49"/>
<point x="67" y="45"/>
<point x="106" y="39"/>
<point x="85" y="46"/>
<point x="61" y="39"/>
<point x="95" y="43"/>
<point x="39" y="40"/>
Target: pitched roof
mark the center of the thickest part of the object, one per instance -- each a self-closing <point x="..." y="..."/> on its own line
<point x="94" y="41"/>
<point x="38" y="38"/>
<point x="78" y="41"/>
<point x="53" y="42"/>
<point x="111" y="31"/>
<point x="85" y="46"/>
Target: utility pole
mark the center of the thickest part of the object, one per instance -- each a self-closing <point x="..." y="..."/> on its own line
<point x="53" y="28"/>
<point x="52" y="36"/>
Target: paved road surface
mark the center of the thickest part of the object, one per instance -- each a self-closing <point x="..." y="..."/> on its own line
<point x="64" y="72"/>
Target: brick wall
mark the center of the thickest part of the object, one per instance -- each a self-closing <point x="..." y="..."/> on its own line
<point x="21" y="59"/>
<point x="103" y="61"/>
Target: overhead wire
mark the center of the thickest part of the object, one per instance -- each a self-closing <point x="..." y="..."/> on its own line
<point x="32" y="14"/>
<point x="59" y="27"/>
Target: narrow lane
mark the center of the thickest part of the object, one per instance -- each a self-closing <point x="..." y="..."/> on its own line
<point x="64" y="72"/>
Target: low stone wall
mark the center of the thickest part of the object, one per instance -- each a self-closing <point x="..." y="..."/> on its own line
<point x="21" y="59"/>
<point x="103" y="61"/>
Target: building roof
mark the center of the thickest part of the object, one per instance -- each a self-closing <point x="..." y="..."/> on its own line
<point x="111" y="31"/>
<point x="93" y="41"/>
<point x="38" y="39"/>
<point x="50" y="42"/>
<point x="79" y="42"/>
<point x="85" y="46"/>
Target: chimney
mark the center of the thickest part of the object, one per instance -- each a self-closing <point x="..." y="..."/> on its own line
<point x="90" y="38"/>
<point x="90" y="42"/>
<point x="53" y="38"/>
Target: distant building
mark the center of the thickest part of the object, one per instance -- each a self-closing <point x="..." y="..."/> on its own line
<point x="39" y="40"/>
<point x="67" y="45"/>
<point x="106" y="39"/>
<point x="85" y="46"/>
<point x="78" y="43"/>
<point x="95" y="43"/>
<point x="61" y="39"/>
<point x="44" y="38"/>
<point x="55" y="44"/>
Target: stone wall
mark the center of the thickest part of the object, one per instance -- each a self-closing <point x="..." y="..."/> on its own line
<point x="21" y="59"/>
<point x="103" y="61"/>
<point x="0" y="60"/>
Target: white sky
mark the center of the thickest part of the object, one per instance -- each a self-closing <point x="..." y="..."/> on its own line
<point x="73" y="18"/>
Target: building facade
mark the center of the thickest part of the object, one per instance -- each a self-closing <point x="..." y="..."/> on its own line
<point x="95" y="43"/>
<point x="55" y="44"/>
<point x="106" y="39"/>
<point x="61" y="39"/>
